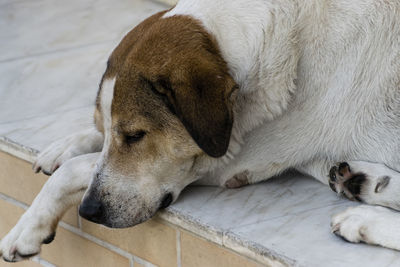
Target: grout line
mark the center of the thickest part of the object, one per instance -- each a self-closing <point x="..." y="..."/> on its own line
<point x="17" y="203"/>
<point x="95" y="240"/>
<point x="105" y="244"/>
<point x="43" y="262"/>
<point x="178" y="248"/>
<point x="194" y="225"/>
<point x="13" y="201"/>
<point x="79" y="219"/>
<point x="143" y="262"/>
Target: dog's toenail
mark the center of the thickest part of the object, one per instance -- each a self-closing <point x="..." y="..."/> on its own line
<point x="26" y="255"/>
<point x="46" y="172"/>
<point x="55" y="168"/>
<point x="335" y="229"/>
<point x="7" y="260"/>
<point x="344" y="167"/>
<point x="49" y="239"/>
<point x="13" y="250"/>
<point x="332" y="174"/>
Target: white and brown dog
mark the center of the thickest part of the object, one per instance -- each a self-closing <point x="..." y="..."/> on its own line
<point x="236" y="91"/>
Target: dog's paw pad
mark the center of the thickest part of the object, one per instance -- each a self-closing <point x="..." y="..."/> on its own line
<point x="344" y="181"/>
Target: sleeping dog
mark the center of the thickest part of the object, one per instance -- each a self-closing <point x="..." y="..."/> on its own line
<point x="230" y="93"/>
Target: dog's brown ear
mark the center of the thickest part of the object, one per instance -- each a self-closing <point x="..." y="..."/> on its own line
<point x="202" y="100"/>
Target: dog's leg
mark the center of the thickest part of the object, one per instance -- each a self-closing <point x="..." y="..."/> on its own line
<point x="247" y="177"/>
<point x="317" y="169"/>
<point x="242" y="173"/>
<point x="369" y="224"/>
<point x="60" y="151"/>
<point x="248" y="169"/>
<point x="38" y="224"/>
<point x="371" y="183"/>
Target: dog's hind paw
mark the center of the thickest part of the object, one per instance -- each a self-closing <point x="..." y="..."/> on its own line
<point x="371" y="183"/>
<point x="344" y="181"/>
<point x="368" y="224"/>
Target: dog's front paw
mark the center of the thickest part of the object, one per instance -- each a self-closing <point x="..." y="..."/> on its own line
<point x="66" y="148"/>
<point x="25" y="239"/>
<point x="52" y="157"/>
<point x="364" y="224"/>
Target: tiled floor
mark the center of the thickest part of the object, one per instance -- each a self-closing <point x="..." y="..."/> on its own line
<point x="53" y="55"/>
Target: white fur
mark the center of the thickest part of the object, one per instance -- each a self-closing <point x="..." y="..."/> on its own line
<point x="319" y="83"/>
<point x="332" y="81"/>
<point x="107" y="95"/>
<point x="370" y="224"/>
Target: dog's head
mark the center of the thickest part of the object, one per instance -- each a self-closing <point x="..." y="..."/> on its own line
<point x="164" y="102"/>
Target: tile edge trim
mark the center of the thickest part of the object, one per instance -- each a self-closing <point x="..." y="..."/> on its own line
<point x="18" y="150"/>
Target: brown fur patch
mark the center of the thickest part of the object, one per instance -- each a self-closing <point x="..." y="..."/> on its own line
<point x="174" y="63"/>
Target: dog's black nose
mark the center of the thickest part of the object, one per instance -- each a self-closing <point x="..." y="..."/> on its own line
<point x="91" y="210"/>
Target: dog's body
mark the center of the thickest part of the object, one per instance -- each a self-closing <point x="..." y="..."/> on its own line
<point x="295" y="84"/>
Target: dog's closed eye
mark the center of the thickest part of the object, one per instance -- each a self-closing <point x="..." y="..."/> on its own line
<point x="136" y="137"/>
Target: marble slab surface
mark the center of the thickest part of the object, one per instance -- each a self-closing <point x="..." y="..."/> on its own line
<point x="28" y="28"/>
<point x="51" y="66"/>
<point x="305" y="237"/>
<point x="287" y="216"/>
<point x="43" y="85"/>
